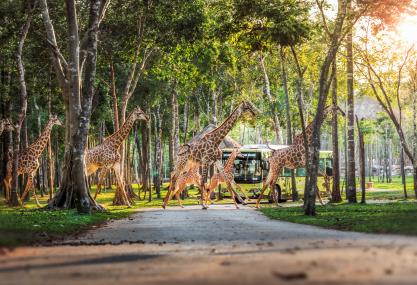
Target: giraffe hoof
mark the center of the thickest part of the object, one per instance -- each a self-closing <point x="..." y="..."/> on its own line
<point x="204" y="208"/>
<point x="163" y="206"/>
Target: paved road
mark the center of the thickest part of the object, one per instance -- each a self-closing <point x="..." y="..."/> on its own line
<point x="219" y="246"/>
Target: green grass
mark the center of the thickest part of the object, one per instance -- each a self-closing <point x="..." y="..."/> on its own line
<point x="393" y="218"/>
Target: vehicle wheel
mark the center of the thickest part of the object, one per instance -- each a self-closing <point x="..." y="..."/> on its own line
<point x="275" y="194"/>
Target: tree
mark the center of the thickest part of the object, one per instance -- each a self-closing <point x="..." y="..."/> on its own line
<point x="385" y="82"/>
<point x="77" y="80"/>
<point x="23" y="104"/>
<point x="336" y="194"/>
<point x="351" y="169"/>
<point x="260" y="26"/>
<point x="326" y="77"/>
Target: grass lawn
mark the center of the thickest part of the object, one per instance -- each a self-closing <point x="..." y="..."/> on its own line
<point x="393" y="218"/>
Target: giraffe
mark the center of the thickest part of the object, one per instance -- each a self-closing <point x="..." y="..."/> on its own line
<point x="6" y="125"/>
<point x="205" y="151"/>
<point x="191" y="177"/>
<point x="291" y="157"/>
<point x="28" y="161"/>
<point x="106" y="156"/>
<point x="226" y="177"/>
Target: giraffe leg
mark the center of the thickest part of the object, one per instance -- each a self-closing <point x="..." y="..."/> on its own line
<point x="36" y="198"/>
<point x="235" y="185"/>
<point x="230" y="188"/>
<point x="319" y="196"/>
<point x="210" y="188"/>
<point x="220" y="170"/>
<point x="272" y="176"/>
<point x="171" y="188"/>
<point x="27" y="189"/>
<point x="202" y="186"/>
<point x="7" y="186"/>
<point x="101" y="178"/>
<point x="177" y="196"/>
<point x="120" y="183"/>
<point x="170" y="192"/>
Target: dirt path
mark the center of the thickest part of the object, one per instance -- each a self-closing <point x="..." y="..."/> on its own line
<point x="218" y="246"/>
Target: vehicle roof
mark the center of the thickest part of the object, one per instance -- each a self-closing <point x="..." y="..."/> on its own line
<point x="267" y="148"/>
<point x="258" y="147"/>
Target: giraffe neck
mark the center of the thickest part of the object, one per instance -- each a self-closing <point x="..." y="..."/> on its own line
<point x="39" y="145"/>
<point x="218" y="134"/>
<point x="309" y="129"/>
<point x="230" y="161"/>
<point x="118" y="137"/>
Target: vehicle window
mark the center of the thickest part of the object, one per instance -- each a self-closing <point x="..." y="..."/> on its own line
<point x="301" y="171"/>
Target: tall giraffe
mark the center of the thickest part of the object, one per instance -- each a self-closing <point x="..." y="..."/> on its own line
<point x="28" y="161"/>
<point x="226" y="177"/>
<point x="292" y="156"/>
<point x="205" y="151"/>
<point x="5" y="125"/>
<point x="106" y="156"/>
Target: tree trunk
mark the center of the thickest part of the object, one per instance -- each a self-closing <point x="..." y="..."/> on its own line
<point x="114" y="98"/>
<point x="267" y="92"/>
<point x="325" y="80"/>
<point x="336" y="195"/>
<point x="300" y="105"/>
<point x="50" y="162"/>
<point x="23" y="107"/>
<point x="145" y="169"/>
<point x="214" y="111"/>
<point x="139" y="160"/>
<point x="174" y="135"/>
<point x="7" y="135"/>
<point x="361" y="161"/>
<point x="186" y="121"/>
<point x="403" y="179"/>
<point x="351" y="177"/>
<point x="294" y="192"/>
<point x="149" y="148"/>
<point x="158" y="152"/>
<point x="74" y="190"/>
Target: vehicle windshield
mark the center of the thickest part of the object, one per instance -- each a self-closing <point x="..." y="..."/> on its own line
<point x="247" y="168"/>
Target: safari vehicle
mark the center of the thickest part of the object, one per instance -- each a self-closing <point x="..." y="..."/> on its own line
<point x="252" y="167"/>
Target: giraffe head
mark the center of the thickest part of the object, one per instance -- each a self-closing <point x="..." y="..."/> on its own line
<point x="332" y="109"/>
<point x="247" y="107"/>
<point x="138" y="114"/>
<point x="237" y="152"/>
<point x="7" y="125"/>
<point x="54" y="120"/>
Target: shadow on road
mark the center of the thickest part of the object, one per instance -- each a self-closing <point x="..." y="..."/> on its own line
<point x="92" y="261"/>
